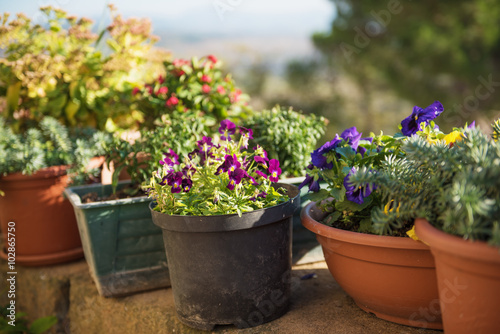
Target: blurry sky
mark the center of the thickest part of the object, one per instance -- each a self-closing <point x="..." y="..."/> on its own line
<point x="233" y="29"/>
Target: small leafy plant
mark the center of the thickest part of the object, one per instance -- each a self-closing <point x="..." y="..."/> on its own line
<point x="287" y="136"/>
<point x="192" y="85"/>
<point x="20" y="324"/>
<point x="219" y="177"/>
<point x="51" y="144"/>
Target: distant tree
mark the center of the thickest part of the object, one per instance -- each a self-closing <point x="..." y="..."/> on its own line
<point x="426" y="50"/>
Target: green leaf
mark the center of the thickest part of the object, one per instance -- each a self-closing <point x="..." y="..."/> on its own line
<point x="351" y="206"/>
<point x="332" y="218"/>
<point x="42" y="325"/>
<point x="365" y="226"/>
<point x="319" y="196"/>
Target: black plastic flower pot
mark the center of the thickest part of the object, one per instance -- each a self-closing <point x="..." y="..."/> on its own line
<point x="228" y="269"/>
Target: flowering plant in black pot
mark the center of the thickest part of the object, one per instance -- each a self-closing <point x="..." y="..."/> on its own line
<point x="222" y="212"/>
<point x="219" y="177"/>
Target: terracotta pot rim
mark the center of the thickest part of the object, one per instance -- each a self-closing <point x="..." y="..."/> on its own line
<point x="47" y="172"/>
<point x="447" y="243"/>
<point x="355" y="237"/>
<point x="46" y="259"/>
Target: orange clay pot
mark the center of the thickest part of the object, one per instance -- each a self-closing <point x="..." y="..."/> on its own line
<point x="45" y="225"/>
<point x="468" y="275"/>
<point x="392" y="277"/>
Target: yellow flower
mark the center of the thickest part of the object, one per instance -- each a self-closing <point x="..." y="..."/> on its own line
<point x="453" y="137"/>
<point x="389" y="208"/>
<point x="411" y="234"/>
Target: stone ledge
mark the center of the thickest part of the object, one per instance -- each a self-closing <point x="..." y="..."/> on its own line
<point x="318" y="305"/>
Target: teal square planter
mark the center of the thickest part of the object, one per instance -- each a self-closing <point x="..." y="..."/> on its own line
<point x="122" y="246"/>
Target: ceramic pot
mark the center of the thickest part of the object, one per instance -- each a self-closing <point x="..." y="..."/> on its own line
<point x="228" y="269"/>
<point x="468" y="275"/>
<point x="45" y="225"/>
<point x="392" y="277"/>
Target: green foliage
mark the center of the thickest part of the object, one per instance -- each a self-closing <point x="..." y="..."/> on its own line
<point x="288" y="136"/>
<point x="61" y="71"/>
<point x="457" y="187"/>
<point x="421" y="49"/>
<point x="220" y="178"/>
<point x="39" y="326"/>
<point x="178" y="131"/>
<point x="196" y="85"/>
<point x="49" y="145"/>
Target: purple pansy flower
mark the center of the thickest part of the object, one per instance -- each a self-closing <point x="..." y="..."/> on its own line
<point x="175" y="181"/>
<point x="246" y="135"/>
<point x="262" y="174"/>
<point x="262" y="194"/>
<point x="411" y="124"/>
<point x="351" y="136"/>
<point x="186" y="185"/>
<point x="317" y="156"/>
<point x="313" y="185"/>
<point x="355" y="194"/>
<point x="171" y="158"/>
<point x="205" y="144"/>
<point x="235" y="178"/>
<point x="472" y="125"/>
<point x="230" y="164"/>
<point x="226" y="129"/>
<point x="274" y="170"/>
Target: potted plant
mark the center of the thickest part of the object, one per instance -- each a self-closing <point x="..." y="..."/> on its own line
<point x="66" y="70"/>
<point x="34" y="172"/>
<point x="197" y="85"/>
<point x="390" y="274"/>
<point x="454" y="188"/>
<point x="226" y="230"/>
<point x="123" y="247"/>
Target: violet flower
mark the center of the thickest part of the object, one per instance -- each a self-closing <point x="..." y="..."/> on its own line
<point x="411" y="124"/>
<point x="235" y="178"/>
<point x="317" y="156"/>
<point x="230" y="164"/>
<point x="246" y="135"/>
<point x="186" y="185"/>
<point x="205" y="144"/>
<point x="274" y="170"/>
<point x="351" y="136"/>
<point x="355" y="194"/>
<point x="171" y="158"/>
<point x="313" y="185"/>
<point x="226" y="129"/>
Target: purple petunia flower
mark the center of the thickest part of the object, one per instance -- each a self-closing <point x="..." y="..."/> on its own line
<point x="411" y="124"/>
<point x="246" y="135"/>
<point x="355" y="194"/>
<point x="235" y="178"/>
<point x="351" y="136"/>
<point x="274" y="170"/>
<point x="317" y="156"/>
<point x="226" y="129"/>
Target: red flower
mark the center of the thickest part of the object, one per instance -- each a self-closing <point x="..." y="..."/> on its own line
<point x="161" y="79"/>
<point x="206" y="89"/>
<point x="149" y="88"/>
<point x="206" y="78"/>
<point x="135" y="90"/>
<point x="212" y="58"/>
<point x="162" y="90"/>
<point x="235" y="96"/>
<point x="221" y="90"/>
<point x="172" y="101"/>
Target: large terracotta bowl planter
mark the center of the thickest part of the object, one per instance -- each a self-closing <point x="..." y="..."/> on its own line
<point x="468" y="275"/>
<point x="45" y="225"/>
<point x="392" y="277"/>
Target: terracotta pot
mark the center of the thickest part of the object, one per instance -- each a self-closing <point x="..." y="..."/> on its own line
<point x="45" y="225"/>
<point x="392" y="277"/>
<point x="468" y="275"/>
<point x="107" y="171"/>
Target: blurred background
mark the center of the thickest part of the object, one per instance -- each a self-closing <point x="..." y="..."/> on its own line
<point x="358" y="63"/>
